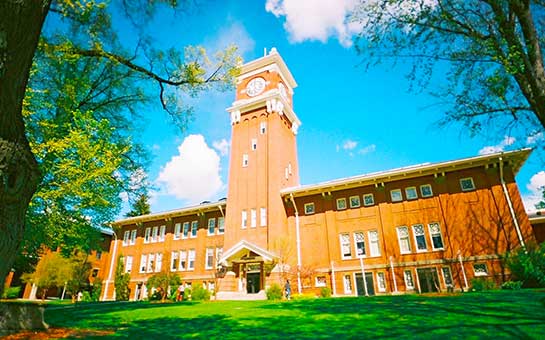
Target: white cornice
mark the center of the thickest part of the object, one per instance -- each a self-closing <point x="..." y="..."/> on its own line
<point x="266" y="63"/>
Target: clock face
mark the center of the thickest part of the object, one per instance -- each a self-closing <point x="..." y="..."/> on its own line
<point x="255" y="86"/>
<point x="282" y="89"/>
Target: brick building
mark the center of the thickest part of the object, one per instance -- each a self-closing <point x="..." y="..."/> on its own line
<point x="422" y="228"/>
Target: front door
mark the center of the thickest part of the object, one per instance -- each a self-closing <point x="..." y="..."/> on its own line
<point x="369" y="281"/>
<point x="428" y="280"/>
<point x="253" y="282"/>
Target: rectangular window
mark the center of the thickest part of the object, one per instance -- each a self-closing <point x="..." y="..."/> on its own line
<point x="373" y="243"/>
<point x="174" y="260"/>
<point x="436" y="238"/>
<point x="147" y="235"/>
<point x="211" y="226"/>
<point x="219" y="253"/>
<point x="183" y="260"/>
<point x="254" y="143"/>
<point x="185" y="230"/>
<point x="480" y="269"/>
<point x="263" y="127"/>
<point x="244" y="219"/>
<point x="286" y="173"/>
<point x="253" y="216"/>
<point x="403" y="238"/>
<point x="143" y="263"/>
<point x="263" y="217"/>
<point x="132" y="241"/>
<point x="151" y="263"/>
<point x="128" y="264"/>
<point x="191" y="260"/>
<point x="154" y="234"/>
<point x="209" y="258"/>
<point x="395" y="195"/>
<point x="126" y="236"/>
<point x="467" y="184"/>
<point x="425" y="190"/>
<point x="158" y="262"/>
<point x="411" y="193"/>
<point x="420" y="237"/>
<point x="177" y="231"/>
<point x="346" y="252"/>
<point x="221" y="225"/>
<point x="354" y="201"/>
<point x="347" y="282"/>
<point x="244" y="160"/>
<point x="359" y="243"/>
<point x="341" y="203"/>
<point x="320" y="281"/>
<point x="309" y="208"/>
<point x="447" y="277"/>
<point x="408" y="276"/>
<point x="381" y="282"/>
<point x="162" y="232"/>
<point x="194" y="227"/>
<point x="368" y="200"/>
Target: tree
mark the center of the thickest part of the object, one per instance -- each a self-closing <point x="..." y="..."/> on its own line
<point x="492" y="49"/>
<point x="528" y="265"/>
<point x="80" y="266"/>
<point x="140" y="207"/>
<point x="162" y="281"/>
<point x="121" y="282"/>
<point x="83" y="30"/>
<point x="52" y="270"/>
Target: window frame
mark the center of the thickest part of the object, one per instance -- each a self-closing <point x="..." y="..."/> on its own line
<point x="412" y="190"/>
<point x="480" y="273"/>
<point x="244" y="219"/>
<point x="143" y="263"/>
<point x="355" y="205"/>
<point x="221" y="225"/>
<point x="308" y="205"/>
<point x="128" y="263"/>
<point x="470" y="179"/>
<point x="432" y="236"/>
<point x="162" y="233"/>
<point x="374" y="242"/>
<point x="154" y="234"/>
<point x="182" y="264"/>
<point x="177" y="231"/>
<point x="365" y="204"/>
<point x="356" y="244"/>
<point x="132" y="239"/>
<point x="338" y="200"/>
<point x="209" y="262"/>
<point x="174" y="260"/>
<point x="158" y="262"/>
<point x="449" y="274"/>
<point x="253" y="144"/>
<point x="347" y="284"/>
<point x="245" y="160"/>
<point x="126" y="237"/>
<point x="147" y="235"/>
<point x="191" y="259"/>
<point x="343" y="243"/>
<point x="262" y="217"/>
<point x="151" y="263"/>
<point x="396" y="191"/>
<point x="423" y="235"/>
<point x="406" y="237"/>
<point x="194" y="229"/>
<point x="253" y="218"/>
<point x="422" y="191"/>
<point x="211" y="223"/>
<point x="185" y="229"/>
<point x="381" y="282"/>
<point x="407" y="286"/>
<point x="263" y="128"/>
<point x="320" y="283"/>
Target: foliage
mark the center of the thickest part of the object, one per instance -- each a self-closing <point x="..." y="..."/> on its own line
<point x="528" y="265"/>
<point x="86" y="296"/>
<point x="511" y="285"/>
<point x="80" y="269"/>
<point x="121" y="283"/>
<point x="199" y="293"/>
<point x="11" y="292"/>
<point x="96" y="289"/>
<point x="187" y="294"/>
<point x="325" y="292"/>
<point x="274" y="292"/>
<point x="162" y="281"/>
<point x="479" y="284"/>
<point x="140" y="207"/>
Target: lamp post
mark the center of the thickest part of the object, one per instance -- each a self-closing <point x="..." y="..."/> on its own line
<point x="363" y="276"/>
<point x="111" y="267"/>
<point x="463" y="269"/>
<point x="393" y="273"/>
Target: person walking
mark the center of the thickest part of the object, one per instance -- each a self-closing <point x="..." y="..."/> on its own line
<point x="287" y="289"/>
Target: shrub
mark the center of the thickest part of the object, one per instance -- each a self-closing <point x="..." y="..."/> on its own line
<point x="11" y="292"/>
<point x="512" y="285"/>
<point x="85" y="296"/>
<point x="481" y="284"/>
<point x="528" y="265"/>
<point x="95" y="291"/>
<point x="187" y="294"/>
<point x="325" y="292"/>
<point x="274" y="292"/>
<point x="307" y="296"/>
<point x="199" y="293"/>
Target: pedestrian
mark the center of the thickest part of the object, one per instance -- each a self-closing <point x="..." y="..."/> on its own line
<point x="180" y="296"/>
<point x="287" y="289"/>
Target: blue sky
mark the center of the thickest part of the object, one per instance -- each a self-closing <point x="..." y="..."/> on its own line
<point x="354" y="121"/>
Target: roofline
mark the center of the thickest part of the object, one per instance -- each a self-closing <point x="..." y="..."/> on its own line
<point x="519" y="156"/>
<point x="201" y="208"/>
<point x="271" y="58"/>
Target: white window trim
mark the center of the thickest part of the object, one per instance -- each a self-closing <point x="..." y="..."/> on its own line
<point x="143" y="263"/>
<point x="263" y="217"/>
<point x="191" y="251"/>
<point x="132" y="239"/>
<point x="220" y="232"/>
<point x="174" y="260"/>
<point x="188" y="230"/>
<point x="350" y="201"/>
<point x="392" y="195"/>
<point x="379" y="288"/>
<point x="254" y="144"/>
<point x="180" y="262"/>
<point x="440" y="233"/>
<point x="372" y="199"/>
<point x="479" y="273"/>
<point x="411" y="189"/>
<point x="415" y="240"/>
<point x="444" y="278"/>
<point x="208" y="229"/>
<point x="356" y="245"/>
<point x="262" y="128"/>
<point x="341" y="200"/>
<point x="253" y="218"/>
<point x="344" y="257"/>
<point x="407" y="287"/>
<point x="347" y="290"/>
<point x="422" y="192"/>
<point x="196" y="229"/>
<point x="158" y="262"/>
<point x="311" y="204"/>
<point x="147" y="235"/>
<point x="320" y="284"/>
<point x="472" y="184"/>
<point x="245" y="160"/>
<point x="126" y="238"/>
<point x="401" y="251"/>
<point x="209" y="252"/>
<point x="371" y="242"/>
<point x="177" y="231"/>
<point x="244" y="219"/>
<point x="128" y="263"/>
<point x="162" y="233"/>
<point x="154" y="234"/>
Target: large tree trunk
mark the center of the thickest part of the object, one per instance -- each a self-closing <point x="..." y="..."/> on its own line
<point x="21" y="22"/>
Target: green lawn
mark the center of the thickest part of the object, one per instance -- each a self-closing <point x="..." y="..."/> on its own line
<point x="498" y="314"/>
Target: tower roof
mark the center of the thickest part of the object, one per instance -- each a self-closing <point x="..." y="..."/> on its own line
<point x="273" y="60"/>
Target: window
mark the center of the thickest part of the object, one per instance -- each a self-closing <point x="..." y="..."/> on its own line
<point x="191" y="260"/>
<point x="147" y="235"/>
<point x="177" y="231"/>
<point x="211" y="226"/>
<point x="425" y="190"/>
<point x="396" y="195"/>
<point x="244" y="221"/>
<point x="467" y="184"/>
<point x="286" y="174"/>
<point x="373" y="243"/>
<point x="128" y="264"/>
<point x="410" y="193"/>
<point x="194" y="227"/>
<point x="403" y="238"/>
<point x="309" y="208"/>
<point x="447" y="277"/>
<point x="346" y="252"/>
<point x="263" y="127"/>
<point x="126" y="236"/>
<point x="341" y="203"/>
<point x="132" y="241"/>
<point x="419" y="237"/>
<point x="254" y="143"/>
<point x="185" y="230"/>
<point x="245" y="160"/>
<point x="221" y="225"/>
<point x="98" y="255"/>
<point x="263" y="217"/>
<point x="436" y="238"/>
<point x="359" y="243"/>
<point x="408" y="276"/>
<point x="381" y="282"/>
<point x="143" y="263"/>
<point x="209" y="258"/>
<point x="162" y="232"/>
<point x="219" y="253"/>
<point x="347" y="282"/>
<point x="354" y="201"/>
<point x="368" y="200"/>
<point x="289" y="168"/>
<point x="320" y="281"/>
<point x="253" y="216"/>
<point x="174" y="260"/>
<point x="151" y="262"/>
<point x="158" y="262"/>
<point x="480" y="269"/>
<point x="183" y="260"/>
<point x="154" y="234"/>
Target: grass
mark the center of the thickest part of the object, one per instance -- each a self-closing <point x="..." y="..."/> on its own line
<point x="496" y="314"/>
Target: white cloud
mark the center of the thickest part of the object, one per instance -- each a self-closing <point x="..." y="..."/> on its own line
<point x="534" y="138"/>
<point x="507" y="141"/>
<point x="536" y="185"/>
<point x="350" y="145"/>
<point x="233" y="33"/>
<point x="222" y="146"/>
<point x="316" y="19"/>
<point x="368" y="149"/>
<point x="193" y="174"/>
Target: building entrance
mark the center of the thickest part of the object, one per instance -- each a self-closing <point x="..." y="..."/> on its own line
<point x="428" y="280"/>
<point x="253" y="282"/>
<point x="369" y="281"/>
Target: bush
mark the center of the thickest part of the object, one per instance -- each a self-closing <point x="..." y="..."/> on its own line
<point x="274" y="292"/>
<point x="528" y="265"/>
<point x="11" y="292"/>
<point x="511" y="285"/>
<point x="187" y="294"/>
<point x="307" y="296"/>
<point x="481" y="284"/>
<point x="95" y="291"/>
<point x="199" y="293"/>
<point x="85" y="296"/>
<point x="325" y="292"/>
